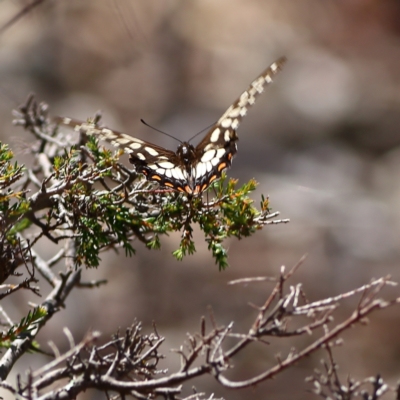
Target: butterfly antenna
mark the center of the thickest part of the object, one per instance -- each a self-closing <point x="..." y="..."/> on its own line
<point x="157" y="130"/>
<point x="198" y="133"/>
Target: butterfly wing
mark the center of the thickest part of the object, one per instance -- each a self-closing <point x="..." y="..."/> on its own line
<point x="155" y="162"/>
<point x="216" y="150"/>
<point x="189" y="170"/>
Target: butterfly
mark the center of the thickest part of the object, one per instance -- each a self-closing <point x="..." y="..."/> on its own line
<point x="191" y="169"/>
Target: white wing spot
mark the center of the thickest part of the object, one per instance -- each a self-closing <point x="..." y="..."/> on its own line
<point x="151" y="151"/>
<point x="244" y="99"/>
<point x="220" y="153"/>
<point x="215" y="161"/>
<point x="210" y="146"/>
<point x="200" y="170"/>
<point x="123" y="140"/>
<point x="208" y="155"/>
<point x="227" y="134"/>
<point x="168" y="173"/>
<point x="108" y="133"/>
<point x="135" y="146"/>
<point x="215" y="135"/>
<point x="235" y="112"/>
<point x="140" y="156"/>
<point x="226" y="122"/>
<point x="177" y="173"/>
<point x="209" y="167"/>
<point x="166" y="164"/>
<point x="235" y="125"/>
<point x="252" y="93"/>
<point x="258" y="84"/>
<point x="160" y="171"/>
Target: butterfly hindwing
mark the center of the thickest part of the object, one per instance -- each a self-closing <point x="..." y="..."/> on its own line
<point x="166" y="169"/>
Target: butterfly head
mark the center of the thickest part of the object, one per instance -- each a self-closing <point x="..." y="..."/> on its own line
<point x="187" y="153"/>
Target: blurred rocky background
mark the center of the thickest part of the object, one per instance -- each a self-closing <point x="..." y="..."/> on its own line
<point x="323" y="141"/>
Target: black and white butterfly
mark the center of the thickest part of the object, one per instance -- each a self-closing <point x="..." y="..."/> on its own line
<point x="190" y="169"/>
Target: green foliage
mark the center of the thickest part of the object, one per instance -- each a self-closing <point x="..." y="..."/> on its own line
<point x="25" y="326"/>
<point x="101" y="204"/>
<point x="231" y="214"/>
<point x="12" y="202"/>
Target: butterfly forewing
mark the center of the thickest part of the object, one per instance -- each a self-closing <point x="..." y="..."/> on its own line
<point x="156" y="163"/>
<point x="218" y="147"/>
<point x="189" y="169"/>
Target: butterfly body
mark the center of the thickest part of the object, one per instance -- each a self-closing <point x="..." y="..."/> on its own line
<point x="190" y="169"/>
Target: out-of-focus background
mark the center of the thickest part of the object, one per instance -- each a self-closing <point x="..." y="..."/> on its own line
<point x="323" y="141"/>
